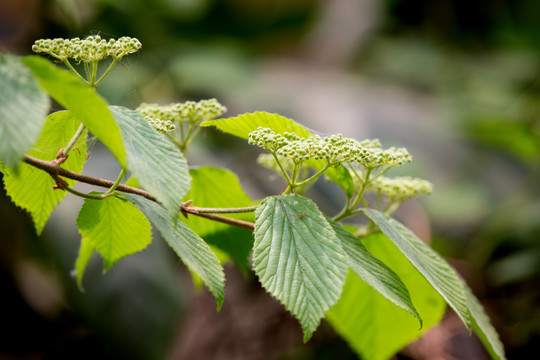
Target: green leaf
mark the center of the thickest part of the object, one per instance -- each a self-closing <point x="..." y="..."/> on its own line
<point x="373" y="271"/>
<point x="437" y="271"/>
<point x="115" y="227"/>
<point x="242" y="125"/>
<point x="373" y="326"/>
<point x="85" y="253"/>
<point x="23" y="108"/>
<point x="159" y="167"/>
<point x="215" y="187"/>
<point x="31" y="188"/>
<point x="340" y="175"/>
<point x="189" y="247"/>
<point x="298" y="258"/>
<point x="482" y="326"/>
<point x="82" y="100"/>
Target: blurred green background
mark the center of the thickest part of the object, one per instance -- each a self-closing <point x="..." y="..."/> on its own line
<point x="455" y="82"/>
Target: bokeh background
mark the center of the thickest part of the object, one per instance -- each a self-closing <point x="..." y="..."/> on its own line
<point x="455" y="82"/>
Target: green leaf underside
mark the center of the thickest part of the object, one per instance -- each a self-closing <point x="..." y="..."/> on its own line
<point x="242" y="125"/>
<point x="82" y="100"/>
<point x="85" y="253"/>
<point x="437" y="271"/>
<point x="298" y="258"/>
<point x="159" y="167"/>
<point x="31" y="188"/>
<point x="373" y="326"/>
<point x="114" y="227"/>
<point x="214" y="187"/>
<point x="482" y="326"/>
<point x="189" y="247"/>
<point x="23" y="108"/>
<point x="373" y="271"/>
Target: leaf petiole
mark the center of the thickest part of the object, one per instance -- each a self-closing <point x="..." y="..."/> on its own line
<point x="73" y="140"/>
<point x="88" y="196"/>
<point x="117" y="182"/>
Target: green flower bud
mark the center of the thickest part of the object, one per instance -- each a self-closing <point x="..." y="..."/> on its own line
<point x="400" y="188"/>
<point x="92" y="48"/>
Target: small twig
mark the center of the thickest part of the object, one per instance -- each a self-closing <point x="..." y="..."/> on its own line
<point x="235" y="222"/>
<point x="54" y="169"/>
<point x="199" y="210"/>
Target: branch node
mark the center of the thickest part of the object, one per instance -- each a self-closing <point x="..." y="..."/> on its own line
<point x="60" y="183"/>
<point x="60" y="157"/>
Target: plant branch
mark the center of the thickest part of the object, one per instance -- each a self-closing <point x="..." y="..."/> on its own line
<point x="234" y="222"/>
<point x="53" y="168"/>
<point x="199" y="210"/>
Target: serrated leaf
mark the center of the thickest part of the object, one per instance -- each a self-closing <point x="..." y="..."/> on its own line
<point x="373" y="326"/>
<point x="374" y="272"/>
<point x="437" y="271"/>
<point x="85" y="253"/>
<point x="159" y="167"/>
<point x="114" y="227"/>
<point x="214" y="187"/>
<point x="242" y="125"/>
<point x="31" y="188"/>
<point x="189" y="247"/>
<point x="23" y="108"/>
<point x="298" y="258"/>
<point x="82" y="100"/>
<point x="482" y="326"/>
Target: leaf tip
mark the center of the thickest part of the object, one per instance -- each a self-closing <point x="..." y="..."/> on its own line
<point x="307" y="336"/>
<point x="219" y="304"/>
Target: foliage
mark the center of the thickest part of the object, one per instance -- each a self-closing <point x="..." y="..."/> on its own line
<point x="396" y="283"/>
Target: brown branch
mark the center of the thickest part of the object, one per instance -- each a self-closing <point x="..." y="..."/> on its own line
<point x="235" y="222"/>
<point x="53" y="168"/>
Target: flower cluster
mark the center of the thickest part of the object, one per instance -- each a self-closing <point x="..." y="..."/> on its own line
<point x="268" y="139"/>
<point x="373" y="158"/>
<point x="335" y="149"/>
<point x="161" y="126"/>
<point x="400" y="188"/>
<point x="90" y="49"/>
<point x="190" y="112"/>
